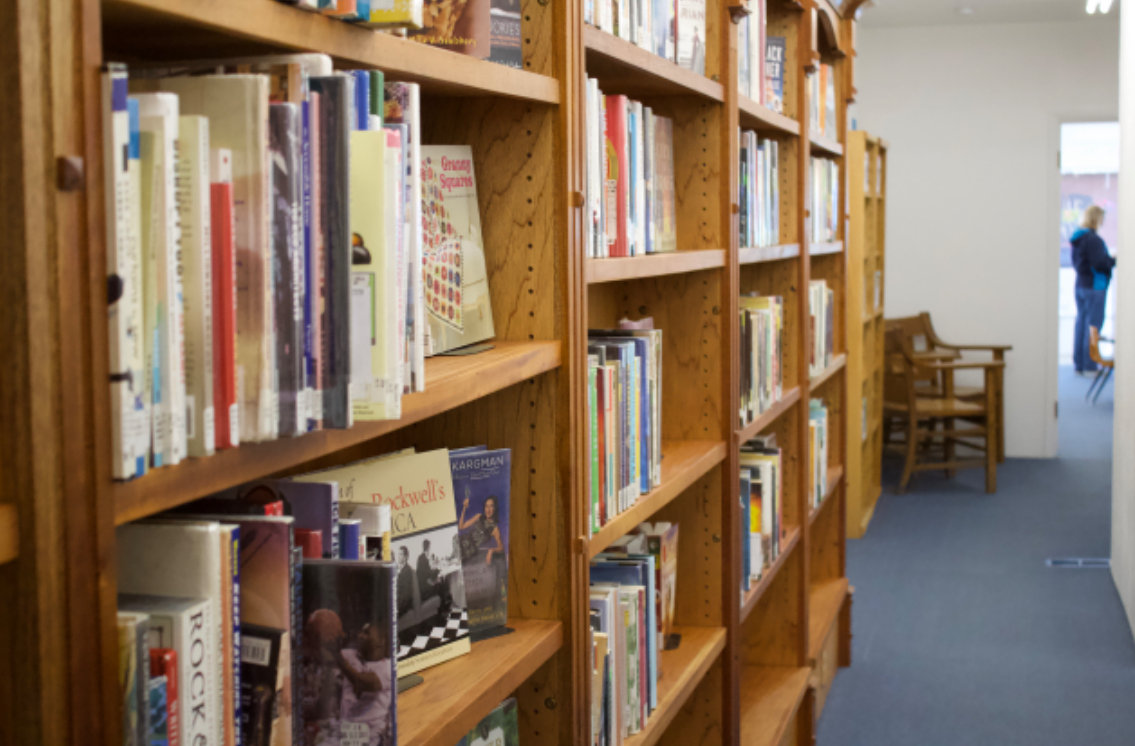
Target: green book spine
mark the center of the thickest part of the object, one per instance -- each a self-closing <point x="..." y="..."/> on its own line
<point x="377" y="88"/>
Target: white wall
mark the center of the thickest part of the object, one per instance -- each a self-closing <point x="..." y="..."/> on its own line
<point x="972" y="117"/>
<point x="1123" y="466"/>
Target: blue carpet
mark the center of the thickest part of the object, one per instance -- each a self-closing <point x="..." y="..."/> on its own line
<point x="963" y="636"/>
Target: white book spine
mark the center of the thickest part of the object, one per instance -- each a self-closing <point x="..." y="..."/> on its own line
<point x="421" y="326"/>
<point x="197" y="663"/>
<point x="197" y="272"/>
<point x="395" y="302"/>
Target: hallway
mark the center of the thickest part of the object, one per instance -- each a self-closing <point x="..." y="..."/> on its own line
<point x="962" y="634"/>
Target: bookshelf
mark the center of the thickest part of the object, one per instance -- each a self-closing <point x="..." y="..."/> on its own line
<point x="867" y="179"/>
<point x="749" y="670"/>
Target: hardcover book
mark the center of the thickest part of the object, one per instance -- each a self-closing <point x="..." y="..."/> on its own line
<point x="775" y="47"/>
<point x="499" y="728"/>
<point x="163" y="663"/>
<point x="349" y="689"/>
<point x="158" y="733"/>
<point x="481" y="482"/>
<point x="505" y="48"/>
<point x="133" y="653"/>
<point x="455" y="273"/>
<point x="665" y="208"/>
<point x="462" y="26"/>
<point x="433" y="625"/>
<point x="226" y="408"/>
<point x="691" y="35"/>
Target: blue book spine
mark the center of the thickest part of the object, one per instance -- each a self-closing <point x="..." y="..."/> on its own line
<point x="362" y="92"/>
<point x="349" y="540"/>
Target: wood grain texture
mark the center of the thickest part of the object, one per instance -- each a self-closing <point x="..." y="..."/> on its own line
<point x="753" y="596"/>
<point x="699" y="723"/>
<point x="457" y="694"/>
<point x="774" y="632"/>
<point x="450" y="382"/>
<point x="824" y="604"/>
<point x="770" y="416"/>
<point x="683" y="463"/>
<point x="9" y="534"/>
<point x="176" y="29"/>
<point x="825" y="375"/>
<point x="835" y="480"/>
<point x="622" y="67"/>
<point x="756" y="255"/>
<point x="653" y="265"/>
<point x="825" y="146"/>
<point x="758" y="117"/>
<point x="770" y="697"/>
<point x="819" y="249"/>
<point x="699" y="514"/>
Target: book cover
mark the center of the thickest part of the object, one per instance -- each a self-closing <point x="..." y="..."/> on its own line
<point x="262" y="650"/>
<point x="237" y="108"/>
<point x="504" y="39"/>
<point x="226" y="407"/>
<point x="349" y="690"/>
<point x="130" y="408"/>
<point x="775" y="48"/>
<point x="397" y="241"/>
<point x="455" y="272"/>
<point x="132" y="630"/>
<point x="744" y="57"/>
<point x="395" y="14"/>
<point x="163" y="663"/>
<point x="481" y="482"/>
<point x="665" y="209"/>
<point x="617" y="176"/>
<point x="194" y="215"/>
<point x="691" y="35"/>
<point x="313" y="262"/>
<point x="158" y="733"/>
<point x="664" y="29"/>
<point x="499" y="728"/>
<point x="433" y="624"/>
<point x="462" y="26"/>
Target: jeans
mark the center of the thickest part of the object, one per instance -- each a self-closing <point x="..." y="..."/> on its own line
<point x="1090" y="306"/>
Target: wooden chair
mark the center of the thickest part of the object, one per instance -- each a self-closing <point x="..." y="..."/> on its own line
<point x="918" y="416"/>
<point x="1106" y="366"/>
<point x="925" y="344"/>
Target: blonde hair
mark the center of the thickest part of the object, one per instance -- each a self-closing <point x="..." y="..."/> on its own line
<point x="1093" y="217"/>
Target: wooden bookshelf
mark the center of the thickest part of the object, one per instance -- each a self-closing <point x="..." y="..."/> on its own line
<point x="746" y="666"/>
<point x="835" y="477"/>
<point x="866" y="252"/>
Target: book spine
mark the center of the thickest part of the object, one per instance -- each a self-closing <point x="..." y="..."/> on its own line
<point x="226" y="407"/>
<point x="233" y="575"/>
<point x="295" y="572"/>
<point x="307" y="301"/>
<point x="314" y="276"/>
<point x="163" y="662"/>
<point x="617" y="175"/>
<point x="200" y="718"/>
<point x="142" y="678"/>
<point x="593" y="433"/>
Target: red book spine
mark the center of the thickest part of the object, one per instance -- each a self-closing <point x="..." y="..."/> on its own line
<point x="618" y="169"/>
<point x="163" y="662"/>
<point x="224" y="315"/>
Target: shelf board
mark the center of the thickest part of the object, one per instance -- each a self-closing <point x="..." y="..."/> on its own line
<point x="9" y="534"/>
<point x="653" y="265"/>
<point x="683" y="463"/>
<point x="825" y="247"/>
<point x="456" y="695"/>
<point x="450" y="382"/>
<point x="837" y="364"/>
<point x="681" y="672"/>
<point x="759" y="254"/>
<point x="825" y="145"/>
<point x="824" y="602"/>
<point x="759" y="117"/>
<point x="835" y="474"/>
<point x="770" y="416"/>
<point x="197" y="29"/>
<point x="622" y="67"/>
<point x="753" y="597"/>
<point x="770" y="698"/>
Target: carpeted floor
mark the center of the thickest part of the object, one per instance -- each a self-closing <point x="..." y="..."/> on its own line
<point x="962" y="635"/>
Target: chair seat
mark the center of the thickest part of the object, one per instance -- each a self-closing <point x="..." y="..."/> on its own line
<point x="960" y="392"/>
<point x="938" y="407"/>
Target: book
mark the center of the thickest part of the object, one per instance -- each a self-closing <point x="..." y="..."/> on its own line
<point x="262" y="652"/>
<point x="499" y="728"/>
<point x="617" y="177"/>
<point x="350" y="690"/>
<point x="237" y="108"/>
<point x="133" y="653"/>
<point x="775" y="50"/>
<point x="226" y="407"/>
<point x="163" y="664"/>
<point x="663" y="29"/>
<point x="504" y="39"/>
<point x="313" y="261"/>
<point x="432" y="623"/>
<point x="195" y="218"/>
<point x="395" y="14"/>
<point x="182" y="625"/>
<point x="662" y="543"/>
<point x="455" y="271"/>
<point x="481" y="484"/>
<point x="129" y="403"/>
<point x="158" y="733"/>
<point x="462" y="26"/>
<point x="691" y="35"/>
<point x="229" y="681"/>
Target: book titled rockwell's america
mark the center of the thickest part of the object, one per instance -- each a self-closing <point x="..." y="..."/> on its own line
<point x="433" y="622"/>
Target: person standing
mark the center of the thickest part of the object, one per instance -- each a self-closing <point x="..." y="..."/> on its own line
<point x="1093" y="265"/>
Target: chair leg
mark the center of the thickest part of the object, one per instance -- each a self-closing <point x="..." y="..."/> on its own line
<point x="912" y="446"/>
<point x="990" y="464"/>
<point x="999" y="377"/>
<point x="1099" y="375"/>
<point x="948" y="446"/>
<point x="1106" y="375"/>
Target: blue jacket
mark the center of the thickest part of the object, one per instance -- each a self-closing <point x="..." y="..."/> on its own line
<point x="1091" y="261"/>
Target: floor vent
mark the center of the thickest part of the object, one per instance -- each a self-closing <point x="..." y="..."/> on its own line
<point x="1080" y="563"/>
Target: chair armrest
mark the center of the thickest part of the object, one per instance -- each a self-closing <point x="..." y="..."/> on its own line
<point x="931" y="355"/>
<point x="960" y="366"/>
<point x="976" y="348"/>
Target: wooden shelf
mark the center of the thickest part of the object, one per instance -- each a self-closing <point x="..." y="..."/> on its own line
<point x="9" y="533"/>
<point x="756" y="116"/>
<point x="836" y="365"/>
<point x="770" y="697"/>
<point x="759" y="254"/>
<point x="450" y="382"/>
<point x="683" y="463"/>
<point x="653" y="265"/>
<point x="753" y="597"/>
<point x="179" y="29"/>
<point x="835" y="474"/>
<point x="681" y="672"/>
<point x="826" y="247"/>
<point x="770" y="416"/>
<point x="825" y="145"/>
<point x="622" y="67"/>
<point x="456" y="695"/>
<point x="825" y="601"/>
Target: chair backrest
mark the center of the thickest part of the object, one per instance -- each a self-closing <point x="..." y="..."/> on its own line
<point x="1094" y="346"/>
<point x="915" y="329"/>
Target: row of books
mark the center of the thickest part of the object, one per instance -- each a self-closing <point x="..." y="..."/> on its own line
<point x="762" y="368"/>
<point x="630" y="178"/>
<point x="674" y="30"/>
<point x="759" y="190"/>
<point x="824" y="184"/>
<point x="276" y="620"/>
<point x="821" y="94"/>
<point x="283" y="253"/>
<point x="624" y="399"/>
<point x="483" y="29"/>
<point x="821" y="310"/>
<point x="762" y="508"/>
<point x="760" y="59"/>
<point x="818" y="453"/>
<point x="632" y="606"/>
